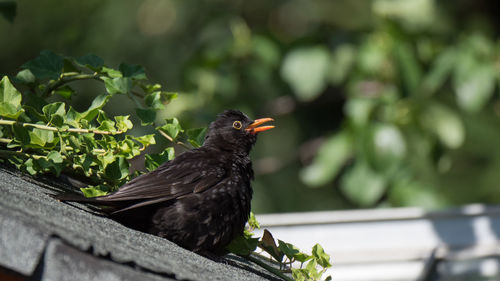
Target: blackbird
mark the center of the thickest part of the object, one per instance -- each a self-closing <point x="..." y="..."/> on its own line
<point x="201" y="199"/>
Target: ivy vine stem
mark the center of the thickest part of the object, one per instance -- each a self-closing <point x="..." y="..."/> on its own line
<point x="268" y="267"/>
<point x="69" y="77"/>
<point x="55" y="129"/>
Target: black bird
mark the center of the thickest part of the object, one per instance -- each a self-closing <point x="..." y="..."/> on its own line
<point x="201" y="199"/>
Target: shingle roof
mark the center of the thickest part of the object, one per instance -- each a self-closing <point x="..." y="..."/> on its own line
<point x="44" y="239"/>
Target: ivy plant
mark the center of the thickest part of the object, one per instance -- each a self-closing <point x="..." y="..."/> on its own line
<point x="41" y="133"/>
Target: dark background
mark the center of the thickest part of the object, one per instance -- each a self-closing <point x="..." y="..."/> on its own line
<point x="377" y="103"/>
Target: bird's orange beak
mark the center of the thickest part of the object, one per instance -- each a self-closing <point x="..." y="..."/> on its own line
<point x="254" y="127"/>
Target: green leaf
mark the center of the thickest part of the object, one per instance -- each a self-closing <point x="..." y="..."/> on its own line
<point x="73" y="117"/>
<point x="98" y="103"/>
<point x="118" y="169"/>
<point x="330" y="158"/>
<point x="172" y="128"/>
<point x="147" y="116"/>
<point x="65" y="92"/>
<point x="123" y="124"/>
<point x="10" y="99"/>
<point x="306" y="71"/>
<point x="196" y="137"/>
<point x="57" y="108"/>
<point x="252" y="222"/>
<point x="153" y="161"/>
<point x="133" y="71"/>
<point x="362" y="185"/>
<point x="46" y="66"/>
<point x="21" y="134"/>
<point x="31" y="167"/>
<point x="53" y="162"/>
<point x="113" y="73"/>
<point x="94" y="191"/>
<point x="146" y="140"/>
<point x="90" y="60"/>
<point x="320" y="256"/>
<point x="41" y="137"/>
<point x="158" y="99"/>
<point x="25" y="77"/>
<point x="120" y="85"/>
<point x="243" y="245"/>
<point x="288" y="249"/>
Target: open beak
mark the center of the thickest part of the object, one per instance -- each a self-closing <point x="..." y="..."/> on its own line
<point x="254" y="127"/>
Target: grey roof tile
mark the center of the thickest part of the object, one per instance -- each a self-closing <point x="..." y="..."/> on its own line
<point x="72" y="237"/>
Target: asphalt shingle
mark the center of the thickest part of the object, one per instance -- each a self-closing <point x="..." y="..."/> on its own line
<point x="42" y="236"/>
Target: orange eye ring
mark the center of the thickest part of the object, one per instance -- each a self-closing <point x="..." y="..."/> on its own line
<point x="237" y="125"/>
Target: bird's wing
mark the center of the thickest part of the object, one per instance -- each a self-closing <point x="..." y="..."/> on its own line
<point x="182" y="176"/>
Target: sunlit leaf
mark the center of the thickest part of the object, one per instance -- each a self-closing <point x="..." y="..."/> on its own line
<point x="10" y="99"/>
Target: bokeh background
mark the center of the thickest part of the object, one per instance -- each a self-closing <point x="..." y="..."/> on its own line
<point x="378" y="103"/>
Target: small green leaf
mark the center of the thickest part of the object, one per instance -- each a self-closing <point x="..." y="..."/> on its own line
<point x="196" y="137"/>
<point x="288" y="249"/>
<point x="146" y="140"/>
<point x="252" y="222"/>
<point x="21" y="134"/>
<point x="41" y="137"/>
<point x="172" y="128"/>
<point x="94" y="108"/>
<point x="10" y="99"/>
<point x="51" y="109"/>
<point x="90" y="60"/>
<point x="153" y="161"/>
<point x="94" y="191"/>
<point x="147" y="116"/>
<point x="133" y="71"/>
<point x="113" y="73"/>
<point x="118" y="169"/>
<point x="243" y="245"/>
<point x="118" y="85"/>
<point x="25" y="77"/>
<point x="47" y="65"/>
<point x="123" y="124"/>
<point x="320" y="256"/>
<point x="107" y="125"/>
<point x="53" y="162"/>
<point x="31" y="167"/>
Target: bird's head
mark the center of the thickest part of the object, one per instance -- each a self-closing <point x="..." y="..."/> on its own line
<point x="233" y="130"/>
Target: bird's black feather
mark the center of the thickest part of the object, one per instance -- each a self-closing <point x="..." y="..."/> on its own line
<point x="201" y="199"/>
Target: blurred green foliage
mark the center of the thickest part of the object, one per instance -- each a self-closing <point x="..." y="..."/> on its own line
<point x="377" y="102"/>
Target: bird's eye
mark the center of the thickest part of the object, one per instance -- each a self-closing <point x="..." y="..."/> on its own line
<point x="237" y="125"/>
